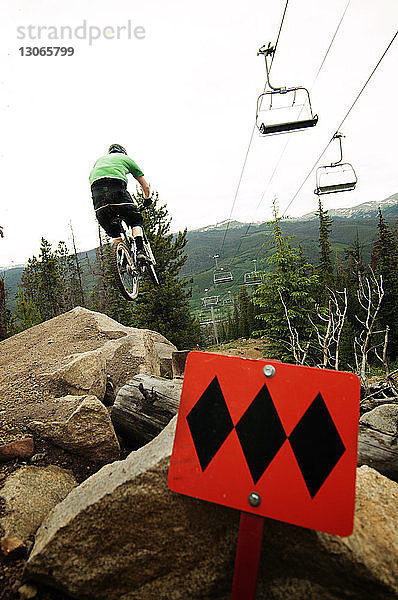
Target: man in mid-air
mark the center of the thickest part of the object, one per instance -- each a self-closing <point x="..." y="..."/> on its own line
<point x="108" y="179"/>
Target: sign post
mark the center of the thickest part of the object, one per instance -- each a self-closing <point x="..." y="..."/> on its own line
<point x="247" y="557"/>
<point x="271" y="440"/>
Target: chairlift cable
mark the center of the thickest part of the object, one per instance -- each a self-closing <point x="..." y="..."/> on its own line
<point x="339" y="127"/>
<point x="251" y="139"/>
<point x="331" y="42"/>
<point x="288" y="140"/>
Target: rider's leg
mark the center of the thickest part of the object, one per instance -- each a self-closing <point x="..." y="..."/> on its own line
<point x="138" y="238"/>
<point x="134" y="218"/>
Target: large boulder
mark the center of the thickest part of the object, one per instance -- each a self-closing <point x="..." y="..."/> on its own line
<point x="73" y="354"/>
<point x="123" y="534"/>
<point x="81" y="425"/>
<point x="28" y="495"/>
<point x="378" y="439"/>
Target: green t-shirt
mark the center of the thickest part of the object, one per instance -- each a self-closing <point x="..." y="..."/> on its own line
<point x="116" y="166"/>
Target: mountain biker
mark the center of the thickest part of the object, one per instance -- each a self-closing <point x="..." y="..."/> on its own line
<point x="108" y="180"/>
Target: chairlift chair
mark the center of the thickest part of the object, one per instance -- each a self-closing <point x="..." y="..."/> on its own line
<point x="211" y="300"/>
<point x="283" y="109"/>
<point x="228" y="300"/>
<point x="205" y="319"/>
<point x="253" y="277"/>
<point x="337" y="177"/>
<point x="221" y="275"/>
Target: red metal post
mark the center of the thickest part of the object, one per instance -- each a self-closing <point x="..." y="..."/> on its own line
<point x="247" y="557"/>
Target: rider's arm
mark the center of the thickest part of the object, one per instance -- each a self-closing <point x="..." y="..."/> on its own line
<point x="145" y="186"/>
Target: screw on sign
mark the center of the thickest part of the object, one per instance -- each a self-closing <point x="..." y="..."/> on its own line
<point x="271" y="440"/>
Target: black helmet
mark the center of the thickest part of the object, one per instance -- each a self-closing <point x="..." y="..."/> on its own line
<point x="116" y="148"/>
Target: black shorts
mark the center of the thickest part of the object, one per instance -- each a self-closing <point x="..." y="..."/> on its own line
<point x="111" y="199"/>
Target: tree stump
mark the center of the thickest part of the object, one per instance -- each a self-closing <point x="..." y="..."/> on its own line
<point x="144" y="406"/>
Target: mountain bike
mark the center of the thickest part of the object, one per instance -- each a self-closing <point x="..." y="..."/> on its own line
<point x="125" y="267"/>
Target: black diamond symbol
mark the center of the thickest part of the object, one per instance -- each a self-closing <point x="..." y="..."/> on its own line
<point x="317" y="445"/>
<point x="260" y="433"/>
<point x="210" y="423"/>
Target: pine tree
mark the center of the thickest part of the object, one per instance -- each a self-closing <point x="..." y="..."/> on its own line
<point x="27" y="313"/>
<point x="290" y="288"/>
<point x="384" y="262"/>
<point x="165" y="308"/>
<point x="3" y="317"/>
<point x="50" y="284"/>
<point x="325" y="267"/>
<point x="27" y="296"/>
<point x="246" y="313"/>
<point x="99" y="296"/>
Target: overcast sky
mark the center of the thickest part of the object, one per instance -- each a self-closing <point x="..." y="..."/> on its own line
<point x="182" y="100"/>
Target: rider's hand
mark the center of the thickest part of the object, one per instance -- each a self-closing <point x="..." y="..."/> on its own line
<point x="147" y="202"/>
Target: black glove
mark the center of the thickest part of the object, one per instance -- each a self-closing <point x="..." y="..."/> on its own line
<point x="147" y="202"/>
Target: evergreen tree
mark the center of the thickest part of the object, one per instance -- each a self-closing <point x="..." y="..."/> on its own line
<point x="27" y="295"/>
<point x="50" y="284"/>
<point x="27" y="313"/>
<point x="290" y="287"/>
<point x="384" y="262"/>
<point x="3" y="313"/>
<point x="349" y="278"/>
<point x="165" y="308"/>
<point x="99" y="296"/>
<point x="246" y="313"/>
<point x="325" y="267"/>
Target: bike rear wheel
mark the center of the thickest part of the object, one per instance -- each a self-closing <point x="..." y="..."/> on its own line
<point x="124" y="270"/>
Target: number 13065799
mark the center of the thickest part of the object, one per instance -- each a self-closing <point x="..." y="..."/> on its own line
<point x="46" y="51"/>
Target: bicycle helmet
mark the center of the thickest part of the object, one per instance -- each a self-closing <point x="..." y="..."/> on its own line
<point x="116" y="148"/>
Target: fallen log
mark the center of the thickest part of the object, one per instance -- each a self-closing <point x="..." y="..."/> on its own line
<point x="144" y="406"/>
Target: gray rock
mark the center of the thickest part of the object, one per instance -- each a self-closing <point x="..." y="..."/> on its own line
<point x="84" y="374"/>
<point x="30" y="493"/>
<point x="85" y="348"/>
<point x="383" y="418"/>
<point x="123" y="535"/>
<point x="81" y="425"/>
<point x="378" y="439"/>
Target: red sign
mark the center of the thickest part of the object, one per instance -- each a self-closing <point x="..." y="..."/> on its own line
<point x="282" y="446"/>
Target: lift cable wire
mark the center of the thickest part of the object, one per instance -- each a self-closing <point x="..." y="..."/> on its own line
<point x="251" y="140"/>
<point x="339" y="127"/>
<point x="288" y="140"/>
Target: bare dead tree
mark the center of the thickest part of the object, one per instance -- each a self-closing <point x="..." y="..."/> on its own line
<point x="329" y="330"/>
<point x="370" y="295"/>
<point x="299" y="352"/>
<point x="104" y="285"/>
<point x="78" y="269"/>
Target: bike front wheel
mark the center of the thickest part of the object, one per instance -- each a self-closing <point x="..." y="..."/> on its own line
<point x="124" y="270"/>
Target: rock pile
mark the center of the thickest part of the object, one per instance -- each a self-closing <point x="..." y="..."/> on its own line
<point x="121" y="533"/>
